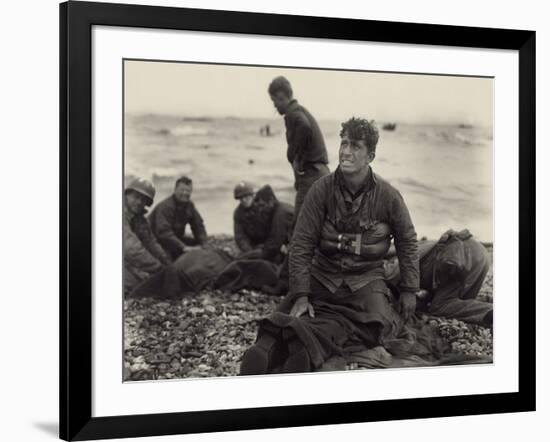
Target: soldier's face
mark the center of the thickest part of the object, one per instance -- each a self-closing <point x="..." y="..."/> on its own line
<point x="280" y="101"/>
<point x="136" y="202"/>
<point x="353" y="155"/>
<point x="183" y="192"/>
<point x="246" y="201"/>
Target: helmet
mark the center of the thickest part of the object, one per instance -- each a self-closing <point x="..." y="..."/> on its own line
<point x="243" y="189"/>
<point x="144" y="187"/>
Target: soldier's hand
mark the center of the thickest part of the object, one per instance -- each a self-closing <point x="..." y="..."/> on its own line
<point x="302" y="305"/>
<point x="407" y="305"/>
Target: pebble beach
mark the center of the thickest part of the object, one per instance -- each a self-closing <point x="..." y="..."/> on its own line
<point x="206" y="335"/>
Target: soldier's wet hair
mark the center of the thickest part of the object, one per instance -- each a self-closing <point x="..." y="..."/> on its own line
<point x="361" y="129"/>
<point x="184" y="180"/>
<point x="280" y="84"/>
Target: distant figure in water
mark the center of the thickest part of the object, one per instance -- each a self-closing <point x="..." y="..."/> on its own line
<point x="265" y="131"/>
<point x="261" y="223"/>
<point x="143" y="255"/>
<point x="171" y="216"/>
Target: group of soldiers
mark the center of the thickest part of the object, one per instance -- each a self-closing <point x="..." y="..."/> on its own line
<point x="351" y="267"/>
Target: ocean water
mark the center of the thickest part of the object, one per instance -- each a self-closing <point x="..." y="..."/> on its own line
<point x="445" y="173"/>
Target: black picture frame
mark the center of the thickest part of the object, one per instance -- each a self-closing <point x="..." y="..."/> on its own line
<point x="76" y="21"/>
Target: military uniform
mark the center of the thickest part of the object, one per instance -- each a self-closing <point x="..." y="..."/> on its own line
<point x="263" y="226"/>
<point x="306" y="150"/>
<point x="351" y="301"/>
<point x="143" y="256"/>
<point x="453" y="271"/>
<point x="169" y="220"/>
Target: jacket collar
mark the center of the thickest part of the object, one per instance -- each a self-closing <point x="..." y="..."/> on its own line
<point x="369" y="183"/>
<point x="292" y="106"/>
<point x="179" y="203"/>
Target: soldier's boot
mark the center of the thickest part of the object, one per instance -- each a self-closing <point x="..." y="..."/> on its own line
<point x="262" y="356"/>
<point x="298" y="360"/>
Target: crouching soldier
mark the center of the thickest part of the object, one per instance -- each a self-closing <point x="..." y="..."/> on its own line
<point x="452" y="271"/>
<point x="261" y="223"/>
<point x="338" y="295"/>
<point x="143" y="256"/>
<point x="171" y="216"/>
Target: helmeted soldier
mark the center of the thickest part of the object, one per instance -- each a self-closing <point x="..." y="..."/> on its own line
<point x="143" y="255"/>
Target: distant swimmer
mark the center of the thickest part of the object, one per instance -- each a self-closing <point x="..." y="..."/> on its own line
<point x="265" y="131"/>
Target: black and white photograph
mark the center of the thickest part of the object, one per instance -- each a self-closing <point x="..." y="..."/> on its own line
<point x="286" y="220"/>
<point x="243" y="221"/>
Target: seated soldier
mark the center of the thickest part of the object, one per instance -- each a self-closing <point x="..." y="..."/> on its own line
<point x="171" y="216"/>
<point x="261" y="223"/>
<point x="452" y="271"/>
<point x="143" y="256"/>
<point x="338" y="295"/>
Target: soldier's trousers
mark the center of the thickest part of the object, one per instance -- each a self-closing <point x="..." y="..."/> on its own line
<point x="304" y="182"/>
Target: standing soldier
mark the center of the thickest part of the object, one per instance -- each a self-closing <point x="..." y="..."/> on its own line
<point x="306" y="150"/>
<point x="171" y="216"/>
<point x="143" y="256"/>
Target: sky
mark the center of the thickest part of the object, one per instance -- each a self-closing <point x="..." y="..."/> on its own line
<point x="190" y="89"/>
